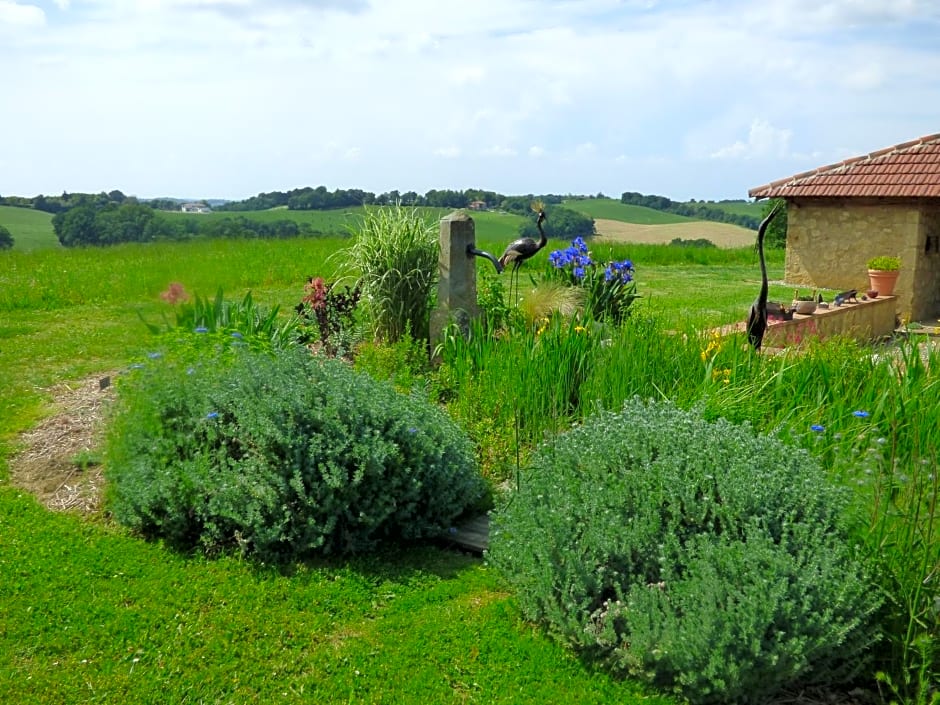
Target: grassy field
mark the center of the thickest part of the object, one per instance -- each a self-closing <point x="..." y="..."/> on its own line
<point x="31" y="229"/>
<point x="752" y="209"/>
<point x="609" y="209"/>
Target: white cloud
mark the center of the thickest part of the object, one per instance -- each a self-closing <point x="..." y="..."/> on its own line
<point x="763" y="140"/>
<point x="536" y="152"/>
<point x="451" y="152"/>
<point x="499" y="151"/>
<point x="21" y="15"/>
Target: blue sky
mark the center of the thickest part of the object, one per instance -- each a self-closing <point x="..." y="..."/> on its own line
<point x="228" y="98"/>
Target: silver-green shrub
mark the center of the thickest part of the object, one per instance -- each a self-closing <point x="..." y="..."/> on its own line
<point x="699" y="557"/>
<point x="281" y="455"/>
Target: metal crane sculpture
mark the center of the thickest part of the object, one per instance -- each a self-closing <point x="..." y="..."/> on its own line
<point x="518" y="251"/>
<point x="757" y="318"/>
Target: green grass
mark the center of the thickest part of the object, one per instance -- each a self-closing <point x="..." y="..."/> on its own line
<point x="31" y="229"/>
<point x="82" y="600"/>
<point x="736" y="207"/>
<point x="92" y="615"/>
<point x="609" y="209"/>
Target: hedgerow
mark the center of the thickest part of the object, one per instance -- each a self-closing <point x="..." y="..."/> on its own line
<point x="699" y="557"/>
<point x="280" y="454"/>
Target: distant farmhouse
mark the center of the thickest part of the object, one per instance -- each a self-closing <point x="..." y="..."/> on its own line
<point x="195" y="208"/>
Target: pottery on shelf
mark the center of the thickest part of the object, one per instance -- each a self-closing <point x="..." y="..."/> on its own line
<point x="804" y="307"/>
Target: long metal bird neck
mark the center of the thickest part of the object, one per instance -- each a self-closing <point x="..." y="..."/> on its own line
<point x="543" y="239"/>
<point x="762" y="297"/>
<point x="761" y="231"/>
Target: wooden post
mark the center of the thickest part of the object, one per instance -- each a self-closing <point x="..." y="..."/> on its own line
<point x="457" y="285"/>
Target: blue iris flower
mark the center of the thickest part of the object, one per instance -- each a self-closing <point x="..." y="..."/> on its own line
<point x="816" y="427"/>
<point x="861" y="414"/>
<point x="578" y="272"/>
<point x="202" y="329"/>
<point x="212" y="415"/>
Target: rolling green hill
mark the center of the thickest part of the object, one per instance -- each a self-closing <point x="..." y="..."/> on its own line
<point x="31" y="229"/>
<point x="609" y="209"/>
<point x="735" y="207"/>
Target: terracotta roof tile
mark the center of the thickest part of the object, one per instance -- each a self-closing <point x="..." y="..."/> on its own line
<point x="909" y="169"/>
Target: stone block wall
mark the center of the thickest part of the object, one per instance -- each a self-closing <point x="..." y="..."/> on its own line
<point x="864" y="321"/>
<point x="926" y="283"/>
<point x="829" y="242"/>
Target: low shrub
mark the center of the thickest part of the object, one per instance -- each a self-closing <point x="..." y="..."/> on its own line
<point x="281" y="455"/>
<point x="699" y="557"/>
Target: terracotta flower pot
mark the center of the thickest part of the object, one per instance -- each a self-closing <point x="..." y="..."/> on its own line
<point x="883" y="281"/>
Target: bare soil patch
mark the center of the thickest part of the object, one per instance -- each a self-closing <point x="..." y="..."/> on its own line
<point x="721" y="234"/>
<point x="57" y="461"/>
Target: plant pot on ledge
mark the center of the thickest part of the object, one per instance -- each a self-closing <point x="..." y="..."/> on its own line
<point x="883" y="274"/>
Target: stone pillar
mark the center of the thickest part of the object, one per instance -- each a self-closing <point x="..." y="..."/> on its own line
<point x="457" y="285"/>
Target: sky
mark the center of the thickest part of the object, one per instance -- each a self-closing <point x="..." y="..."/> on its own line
<point x="229" y="98"/>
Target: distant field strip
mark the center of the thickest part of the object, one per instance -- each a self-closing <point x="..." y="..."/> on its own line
<point x="722" y="234"/>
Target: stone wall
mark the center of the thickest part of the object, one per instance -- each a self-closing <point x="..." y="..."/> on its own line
<point x="829" y="242"/>
<point x="864" y="321"/>
<point x="926" y="283"/>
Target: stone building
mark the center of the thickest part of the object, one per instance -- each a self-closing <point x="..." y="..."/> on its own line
<point x="883" y="203"/>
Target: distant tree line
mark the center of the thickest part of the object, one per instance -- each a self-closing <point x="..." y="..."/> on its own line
<point x="97" y="220"/>
<point x="561" y="223"/>
<point x="692" y="209"/>
<point x="319" y="198"/>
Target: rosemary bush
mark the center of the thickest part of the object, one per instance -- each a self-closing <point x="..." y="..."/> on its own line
<point x="281" y="455"/>
<point x="699" y="557"/>
<point x="395" y="253"/>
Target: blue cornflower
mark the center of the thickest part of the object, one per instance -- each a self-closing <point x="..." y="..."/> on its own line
<point x="212" y="415"/>
<point x="202" y="329"/>
<point x="861" y="414"/>
<point x="817" y="428"/>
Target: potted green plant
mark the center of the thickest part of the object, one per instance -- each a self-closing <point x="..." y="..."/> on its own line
<point x="883" y="272"/>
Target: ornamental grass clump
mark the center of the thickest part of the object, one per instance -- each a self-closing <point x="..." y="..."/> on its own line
<point x="395" y="255"/>
<point x="281" y="456"/>
<point x="696" y="556"/>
